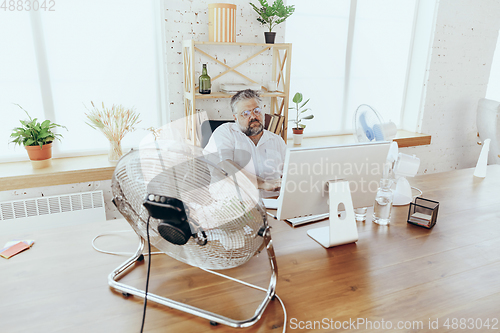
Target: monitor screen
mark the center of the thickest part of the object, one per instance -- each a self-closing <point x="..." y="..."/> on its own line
<point x="306" y="173"/>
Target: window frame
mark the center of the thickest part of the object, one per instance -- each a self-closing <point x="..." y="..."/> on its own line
<point x="45" y="85"/>
<point x="419" y="56"/>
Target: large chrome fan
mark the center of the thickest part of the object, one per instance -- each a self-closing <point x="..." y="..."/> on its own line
<point x="199" y="213"/>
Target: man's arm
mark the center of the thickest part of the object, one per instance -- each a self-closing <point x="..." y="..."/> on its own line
<point x="259" y="182"/>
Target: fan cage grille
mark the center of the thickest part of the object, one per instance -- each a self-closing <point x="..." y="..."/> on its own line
<point x="226" y="208"/>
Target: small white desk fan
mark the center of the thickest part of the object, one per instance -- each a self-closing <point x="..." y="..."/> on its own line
<point x="369" y="126"/>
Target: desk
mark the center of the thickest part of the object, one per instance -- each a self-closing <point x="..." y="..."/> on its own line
<point x="396" y="273"/>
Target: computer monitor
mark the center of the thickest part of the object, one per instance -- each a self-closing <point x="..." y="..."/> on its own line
<point x="307" y="171"/>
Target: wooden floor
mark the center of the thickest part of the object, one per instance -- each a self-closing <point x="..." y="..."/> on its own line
<point x="401" y="274"/>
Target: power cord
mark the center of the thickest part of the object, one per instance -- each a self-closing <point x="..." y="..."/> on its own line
<point x="147" y="277"/>
<point x="285" y="320"/>
<point x="273" y="216"/>
<point x="416" y="189"/>
<point x="116" y="253"/>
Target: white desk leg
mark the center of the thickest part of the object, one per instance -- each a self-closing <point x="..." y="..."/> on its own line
<point x="340" y="231"/>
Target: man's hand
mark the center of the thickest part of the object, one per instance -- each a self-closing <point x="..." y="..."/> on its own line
<point x="269" y="185"/>
<point x="264" y="184"/>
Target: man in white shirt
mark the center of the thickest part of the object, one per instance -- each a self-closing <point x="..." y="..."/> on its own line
<point x="257" y="151"/>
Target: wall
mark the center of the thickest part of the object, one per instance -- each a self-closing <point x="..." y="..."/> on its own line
<point x="462" y="53"/>
<point x="189" y="20"/>
<point x="186" y="19"/>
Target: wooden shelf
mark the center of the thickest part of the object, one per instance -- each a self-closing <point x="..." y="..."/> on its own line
<point x="410" y="139"/>
<point x="239" y="44"/>
<point x="226" y="95"/>
<point x="69" y="170"/>
<point x="403" y="138"/>
<point x="280" y="72"/>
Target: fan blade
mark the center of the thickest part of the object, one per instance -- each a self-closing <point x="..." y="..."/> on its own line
<point x="378" y="132"/>
<point x="368" y="131"/>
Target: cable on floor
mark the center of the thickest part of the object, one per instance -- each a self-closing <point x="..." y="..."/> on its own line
<point x="116" y="253"/>
<point x="417" y="189"/>
<point x="285" y="320"/>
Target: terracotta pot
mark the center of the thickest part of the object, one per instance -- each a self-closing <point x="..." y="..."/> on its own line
<point x="298" y="130"/>
<point x="38" y="154"/>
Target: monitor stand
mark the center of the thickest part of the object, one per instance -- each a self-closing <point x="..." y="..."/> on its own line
<point x="342" y="230"/>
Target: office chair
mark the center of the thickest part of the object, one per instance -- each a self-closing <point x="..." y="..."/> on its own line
<point x="208" y="127"/>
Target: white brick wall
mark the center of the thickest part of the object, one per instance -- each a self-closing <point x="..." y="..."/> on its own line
<point x="462" y="53"/>
<point x="463" y="47"/>
<point x="189" y="20"/>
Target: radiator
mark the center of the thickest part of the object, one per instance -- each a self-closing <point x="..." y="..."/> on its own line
<point x="59" y="210"/>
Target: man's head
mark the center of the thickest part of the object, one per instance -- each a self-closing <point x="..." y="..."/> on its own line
<point x="245" y="106"/>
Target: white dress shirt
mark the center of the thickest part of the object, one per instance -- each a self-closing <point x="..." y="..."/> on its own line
<point x="264" y="159"/>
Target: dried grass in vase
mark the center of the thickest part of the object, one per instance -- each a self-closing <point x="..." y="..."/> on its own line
<point x="114" y="123"/>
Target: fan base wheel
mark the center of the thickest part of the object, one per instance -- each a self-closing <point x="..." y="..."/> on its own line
<point x="140" y="258"/>
<point x="213" y="323"/>
<point x="126" y="294"/>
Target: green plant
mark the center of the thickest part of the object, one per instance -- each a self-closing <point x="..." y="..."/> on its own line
<point x="34" y="133"/>
<point x="273" y="15"/>
<point x="297" y="99"/>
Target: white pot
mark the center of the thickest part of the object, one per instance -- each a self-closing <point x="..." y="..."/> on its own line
<point x="297" y="139"/>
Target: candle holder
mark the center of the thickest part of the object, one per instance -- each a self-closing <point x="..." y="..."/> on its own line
<point x="423" y="212"/>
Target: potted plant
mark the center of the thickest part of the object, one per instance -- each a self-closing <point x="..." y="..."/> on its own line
<point x="271" y="16"/>
<point x="298" y="129"/>
<point x="114" y="123"/>
<point x="37" y="138"/>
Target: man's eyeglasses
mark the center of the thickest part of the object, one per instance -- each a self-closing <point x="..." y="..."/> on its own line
<point x="256" y="112"/>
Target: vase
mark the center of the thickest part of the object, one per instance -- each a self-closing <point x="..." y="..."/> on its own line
<point x="222" y="22"/>
<point x="115" y="151"/>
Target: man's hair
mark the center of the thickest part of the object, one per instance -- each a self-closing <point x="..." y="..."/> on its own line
<point x="243" y="95"/>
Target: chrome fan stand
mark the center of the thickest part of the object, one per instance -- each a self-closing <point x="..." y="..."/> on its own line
<point x="212" y="317"/>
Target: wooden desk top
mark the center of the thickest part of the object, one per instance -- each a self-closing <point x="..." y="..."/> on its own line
<point x="397" y="273"/>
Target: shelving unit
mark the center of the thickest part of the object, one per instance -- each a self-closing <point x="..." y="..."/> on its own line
<point x="281" y="63"/>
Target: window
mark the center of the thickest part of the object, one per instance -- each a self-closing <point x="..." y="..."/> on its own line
<point x="352" y="52"/>
<point x="53" y="63"/>
<point x="493" y="91"/>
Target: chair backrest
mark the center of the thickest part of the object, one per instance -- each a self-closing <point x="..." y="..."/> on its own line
<point x="208" y="127"/>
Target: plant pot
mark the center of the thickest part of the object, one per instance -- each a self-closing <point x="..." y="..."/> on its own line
<point x="297" y="139"/>
<point x="298" y="135"/>
<point x="40" y="157"/>
<point x="270" y="37"/>
<point x="36" y="153"/>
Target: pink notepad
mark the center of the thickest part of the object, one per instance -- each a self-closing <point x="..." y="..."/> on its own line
<point x="14" y="249"/>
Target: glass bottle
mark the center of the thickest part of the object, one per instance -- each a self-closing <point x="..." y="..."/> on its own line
<point x="383" y="203"/>
<point x="204" y="81"/>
